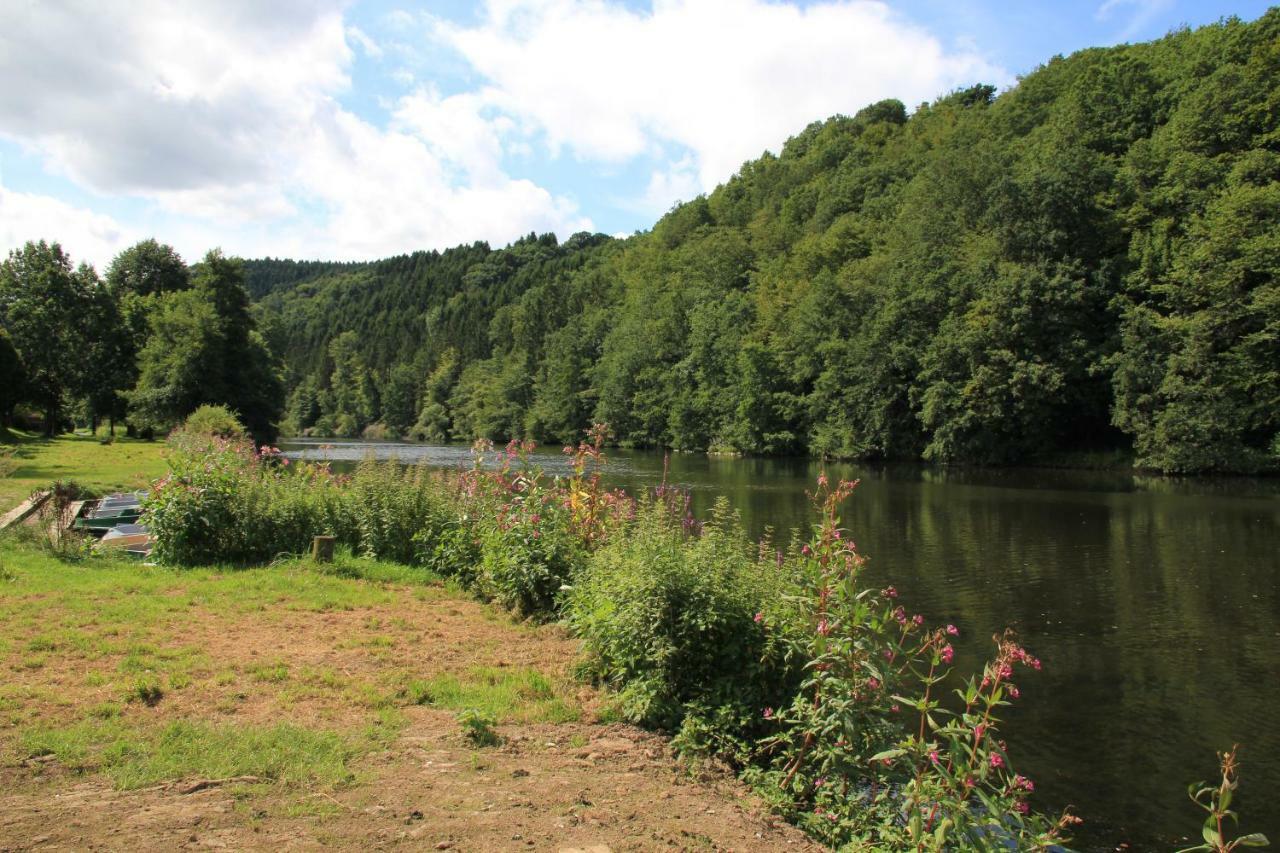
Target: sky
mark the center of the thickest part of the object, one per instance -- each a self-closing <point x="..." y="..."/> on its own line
<point x="358" y="130"/>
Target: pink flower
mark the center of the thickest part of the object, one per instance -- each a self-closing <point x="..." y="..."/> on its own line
<point x="894" y="708"/>
<point x="806" y="551"/>
<point x="1024" y="783"/>
<point x="933" y="756"/>
<point x="900" y="615"/>
<point x="947" y="653"/>
<point x="768" y="713"/>
<point x="873" y="684"/>
<point x="1013" y="691"/>
<point x="888" y="655"/>
<point x="759" y="617"/>
<point x="819" y="782"/>
<point x="953" y="631"/>
<point x="1022" y="806"/>
<point x="978" y="731"/>
<point x="889" y="592"/>
<point x="918" y="620"/>
<point x="996" y="760"/>
<point x="823" y="628"/>
<point x="822" y="480"/>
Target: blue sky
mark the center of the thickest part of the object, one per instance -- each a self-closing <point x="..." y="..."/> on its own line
<point x="329" y="129"/>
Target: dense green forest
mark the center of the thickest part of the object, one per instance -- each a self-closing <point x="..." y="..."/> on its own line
<point x="151" y="342"/>
<point x="1086" y="262"/>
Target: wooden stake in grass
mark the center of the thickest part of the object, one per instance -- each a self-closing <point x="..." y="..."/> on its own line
<point x="322" y="549"/>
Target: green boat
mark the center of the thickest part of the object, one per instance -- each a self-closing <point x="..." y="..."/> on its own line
<point x="98" y="517"/>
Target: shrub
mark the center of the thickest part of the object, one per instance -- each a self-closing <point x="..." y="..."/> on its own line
<point x="674" y="624"/>
<point x="867" y="752"/>
<point x="528" y="555"/>
<point x="214" y="420"/>
<point x="478" y="728"/>
<point x="223" y="502"/>
<point x="377" y="432"/>
<point x="1216" y="801"/>
<point x="400" y="510"/>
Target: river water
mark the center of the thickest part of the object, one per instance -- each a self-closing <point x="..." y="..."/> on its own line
<point x="1154" y="604"/>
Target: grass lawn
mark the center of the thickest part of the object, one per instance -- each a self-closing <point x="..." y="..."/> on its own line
<point x="127" y="463"/>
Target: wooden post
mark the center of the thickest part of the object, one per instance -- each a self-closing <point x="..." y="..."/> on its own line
<point x="322" y="549"/>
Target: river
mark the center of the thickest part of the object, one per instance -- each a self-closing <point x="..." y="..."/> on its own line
<point x="1154" y="604"/>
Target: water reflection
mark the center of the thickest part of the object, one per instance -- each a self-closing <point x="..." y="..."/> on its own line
<point x="1154" y="604"/>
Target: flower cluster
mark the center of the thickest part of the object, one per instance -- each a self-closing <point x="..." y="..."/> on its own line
<point x="869" y="660"/>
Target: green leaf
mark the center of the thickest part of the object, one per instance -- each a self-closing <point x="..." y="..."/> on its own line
<point x="1210" y="832"/>
<point x="888" y="753"/>
<point x="1253" y="839"/>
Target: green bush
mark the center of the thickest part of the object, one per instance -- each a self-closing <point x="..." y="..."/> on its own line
<point x="400" y="510"/>
<point x="214" y="420"/>
<point x="222" y="502"/>
<point x="675" y="624"/>
<point x="529" y="554"/>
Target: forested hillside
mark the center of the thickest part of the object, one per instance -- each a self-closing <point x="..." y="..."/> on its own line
<point x="1086" y="262"/>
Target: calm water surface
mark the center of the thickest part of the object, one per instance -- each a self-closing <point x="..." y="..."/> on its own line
<point x="1154" y="604"/>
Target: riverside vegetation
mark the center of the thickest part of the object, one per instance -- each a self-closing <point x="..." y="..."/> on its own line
<point x="1080" y="269"/>
<point x="828" y="696"/>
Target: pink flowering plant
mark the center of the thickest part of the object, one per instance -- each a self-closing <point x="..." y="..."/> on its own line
<point x="530" y="548"/>
<point x="868" y="753"/>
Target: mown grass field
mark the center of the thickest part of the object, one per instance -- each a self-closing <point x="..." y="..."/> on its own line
<point x="126" y="463"/>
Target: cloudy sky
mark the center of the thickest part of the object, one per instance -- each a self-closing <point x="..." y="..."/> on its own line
<point x="351" y="130"/>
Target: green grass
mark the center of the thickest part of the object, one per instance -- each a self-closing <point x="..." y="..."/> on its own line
<point x="134" y="756"/>
<point x="127" y="463"/>
<point x="507" y="694"/>
<point x="122" y="594"/>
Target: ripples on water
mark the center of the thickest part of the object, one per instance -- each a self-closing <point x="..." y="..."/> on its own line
<point x="1154" y="604"/>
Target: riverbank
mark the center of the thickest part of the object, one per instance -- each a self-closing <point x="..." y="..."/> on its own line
<point x="37" y="461"/>
<point x="269" y="707"/>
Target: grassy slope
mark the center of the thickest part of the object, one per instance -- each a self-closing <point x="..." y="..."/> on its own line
<point x="124" y="464"/>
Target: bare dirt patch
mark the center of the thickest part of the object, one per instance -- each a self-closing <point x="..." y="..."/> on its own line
<point x="547" y="786"/>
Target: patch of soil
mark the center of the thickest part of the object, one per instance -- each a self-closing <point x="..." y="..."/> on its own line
<point x="568" y="787"/>
<point x="618" y="791"/>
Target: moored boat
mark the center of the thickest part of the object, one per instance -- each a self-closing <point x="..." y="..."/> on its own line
<point x="97" y="517"/>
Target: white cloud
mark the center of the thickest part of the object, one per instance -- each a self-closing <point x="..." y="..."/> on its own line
<point x="227" y="118"/>
<point x="1143" y="13"/>
<point x="677" y="182"/>
<point x="724" y="79"/>
<point x="368" y="45"/>
<point x="84" y="235"/>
